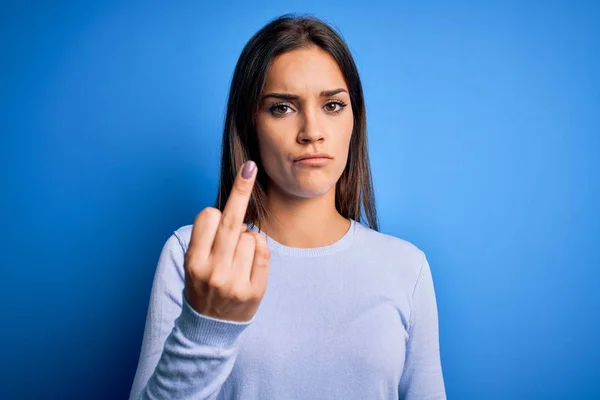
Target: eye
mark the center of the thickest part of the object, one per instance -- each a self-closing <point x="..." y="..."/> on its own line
<point x="279" y="110"/>
<point x="334" y="106"/>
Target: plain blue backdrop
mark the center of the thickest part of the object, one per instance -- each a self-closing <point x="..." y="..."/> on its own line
<point x="484" y="127"/>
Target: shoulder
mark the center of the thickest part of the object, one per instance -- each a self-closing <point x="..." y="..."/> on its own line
<point x="398" y="254"/>
<point x="387" y="244"/>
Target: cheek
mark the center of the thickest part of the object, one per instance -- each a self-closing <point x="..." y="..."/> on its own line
<point x="269" y="147"/>
<point x="272" y="153"/>
<point x="343" y="144"/>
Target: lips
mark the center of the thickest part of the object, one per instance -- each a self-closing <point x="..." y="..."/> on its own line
<point x="313" y="156"/>
<point x="314" y="160"/>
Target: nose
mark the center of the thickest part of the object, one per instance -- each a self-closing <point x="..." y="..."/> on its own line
<point x="310" y="129"/>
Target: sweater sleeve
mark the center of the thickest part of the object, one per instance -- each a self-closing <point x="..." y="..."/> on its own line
<point x="184" y="354"/>
<point x="422" y="377"/>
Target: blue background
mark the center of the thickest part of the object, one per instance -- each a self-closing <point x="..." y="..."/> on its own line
<point x="484" y="125"/>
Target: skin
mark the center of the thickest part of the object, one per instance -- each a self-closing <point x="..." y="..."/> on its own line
<point x="315" y="116"/>
<point x="226" y="266"/>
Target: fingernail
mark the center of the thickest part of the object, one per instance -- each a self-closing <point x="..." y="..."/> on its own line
<point x="248" y="169"/>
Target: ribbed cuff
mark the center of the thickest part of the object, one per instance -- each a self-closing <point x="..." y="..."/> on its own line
<point x="207" y="330"/>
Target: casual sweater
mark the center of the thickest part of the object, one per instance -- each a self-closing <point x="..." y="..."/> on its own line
<point x="356" y="319"/>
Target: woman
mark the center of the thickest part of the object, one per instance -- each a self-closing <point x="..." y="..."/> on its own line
<point x="349" y="313"/>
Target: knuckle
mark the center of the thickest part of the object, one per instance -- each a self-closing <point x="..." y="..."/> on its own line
<point x="229" y="223"/>
<point x="266" y="254"/>
<point x="263" y="259"/>
<point x="190" y="260"/>
<point x="257" y="294"/>
<point x="262" y="249"/>
<point x="239" y="295"/>
<point x="195" y="269"/>
<point x="262" y="262"/>
<point x="219" y="282"/>
<point x="208" y="214"/>
<point x="242" y="188"/>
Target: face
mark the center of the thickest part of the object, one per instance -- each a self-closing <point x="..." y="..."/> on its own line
<point x="304" y="111"/>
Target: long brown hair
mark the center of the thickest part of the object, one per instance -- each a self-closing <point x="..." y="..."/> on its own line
<point x="354" y="189"/>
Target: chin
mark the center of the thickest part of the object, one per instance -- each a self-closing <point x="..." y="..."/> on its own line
<point x="309" y="190"/>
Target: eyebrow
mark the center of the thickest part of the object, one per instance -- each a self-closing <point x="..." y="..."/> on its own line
<point x="287" y="96"/>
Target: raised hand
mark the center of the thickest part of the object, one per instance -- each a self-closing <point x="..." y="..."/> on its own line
<point x="227" y="266"/>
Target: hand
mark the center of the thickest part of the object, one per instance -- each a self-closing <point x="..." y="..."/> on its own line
<point x="227" y="266"/>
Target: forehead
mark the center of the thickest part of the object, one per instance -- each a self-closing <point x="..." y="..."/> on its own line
<point x="306" y="70"/>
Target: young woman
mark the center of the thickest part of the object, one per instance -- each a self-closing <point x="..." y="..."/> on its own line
<point x="348" y="312"/>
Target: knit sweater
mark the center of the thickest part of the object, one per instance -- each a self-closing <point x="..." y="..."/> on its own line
<point x="356" y="319"/>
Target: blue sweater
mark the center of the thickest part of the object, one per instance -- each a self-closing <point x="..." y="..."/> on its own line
<point x="353" y="320"/>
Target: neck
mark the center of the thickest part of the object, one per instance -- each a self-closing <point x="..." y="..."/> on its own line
<point x="304" y="223"/>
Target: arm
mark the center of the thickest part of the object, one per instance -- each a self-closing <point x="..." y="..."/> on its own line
<point x="422" y="377"/>
<point x="184" y="354"/>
